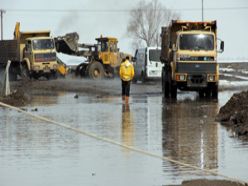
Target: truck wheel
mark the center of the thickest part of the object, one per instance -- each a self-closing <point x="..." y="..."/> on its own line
<point x="14" y="71"/>
<point x="208" y="92"/>
<point x="165" y="86"/>
<point x="25" y="72"/>
<point x="96" y="70"/>
<point x="215" y="92"/>
<point x="173" y="91"/>
<point x="201" y="93"/>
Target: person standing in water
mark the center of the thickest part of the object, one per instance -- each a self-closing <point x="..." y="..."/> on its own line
<point x="126" y="74"/>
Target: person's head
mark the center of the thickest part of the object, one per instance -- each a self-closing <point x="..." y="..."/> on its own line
<point x="127" y="57"/>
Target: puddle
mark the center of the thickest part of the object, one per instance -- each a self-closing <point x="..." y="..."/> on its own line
<point x="36" y="153"/>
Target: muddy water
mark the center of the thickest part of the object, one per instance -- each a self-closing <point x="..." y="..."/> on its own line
<point x="37" y="153"/>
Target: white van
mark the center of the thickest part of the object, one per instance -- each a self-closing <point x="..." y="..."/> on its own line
<point x="147" y="64"/>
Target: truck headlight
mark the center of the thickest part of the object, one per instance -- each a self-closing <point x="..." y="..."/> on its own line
<point x="211" y="77"/>
<point x="181" y="77"/>
<point x="55" y="66"/>
<point x="36" y="68"/>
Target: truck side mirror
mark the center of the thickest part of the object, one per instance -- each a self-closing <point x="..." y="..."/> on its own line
<point x="222" y="46"/>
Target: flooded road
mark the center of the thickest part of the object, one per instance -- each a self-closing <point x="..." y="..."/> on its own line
<point x="34" y="152"/>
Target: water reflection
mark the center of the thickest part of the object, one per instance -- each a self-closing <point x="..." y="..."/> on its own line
<point x="127" y="125"/>
<point x="46" y="98"/>
<point x="190" y="133"/>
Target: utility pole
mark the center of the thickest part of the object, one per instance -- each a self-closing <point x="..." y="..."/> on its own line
<point x="1" y="13"/>
<point x="202" y="12"/>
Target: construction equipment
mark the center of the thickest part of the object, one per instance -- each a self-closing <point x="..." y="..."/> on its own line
<point x="189" y="53"/>
<point x="32" y="54"/>
<point x="102" y="59"/>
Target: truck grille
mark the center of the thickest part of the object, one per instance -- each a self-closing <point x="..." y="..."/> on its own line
<point x="196" y="67"/>
<point x="45" y="57"/>
<point x="196" y="79"/>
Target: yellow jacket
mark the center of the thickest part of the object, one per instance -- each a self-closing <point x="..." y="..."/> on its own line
<point x="126" y="71"/>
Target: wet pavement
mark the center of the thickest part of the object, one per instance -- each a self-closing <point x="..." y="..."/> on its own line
<point x="34" y="152"/>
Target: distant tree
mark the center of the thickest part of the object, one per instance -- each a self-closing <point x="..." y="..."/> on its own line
<point x="145" y="23"/>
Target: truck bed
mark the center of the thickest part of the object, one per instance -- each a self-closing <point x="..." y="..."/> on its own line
<point x="9" y="51"/>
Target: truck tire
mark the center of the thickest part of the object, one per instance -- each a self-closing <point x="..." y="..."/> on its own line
<point x="215" y="92"/>
<point x="14" y="71"/>
<point x="173" y="90"/>
<point x="25" y="72"/>
<point x="201" y="93"/>
<point x="96" y="70"/>
<point x="165" y="86"/>
<point x="208" y="92"/>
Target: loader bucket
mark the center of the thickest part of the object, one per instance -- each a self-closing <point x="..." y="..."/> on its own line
<point x="67" y="44"/>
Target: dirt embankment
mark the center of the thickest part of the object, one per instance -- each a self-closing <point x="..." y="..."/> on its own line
<point x="234" y="114"/>
<point x="24" y="90"/>
<point x="19" y="95"/>
<point x="205" y="182"/>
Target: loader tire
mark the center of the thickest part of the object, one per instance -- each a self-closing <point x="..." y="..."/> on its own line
<point x="96" y="70"/>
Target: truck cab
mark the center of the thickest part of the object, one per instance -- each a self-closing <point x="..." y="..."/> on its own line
<point x="189" y="52"/>
<point x="39" y="55"/>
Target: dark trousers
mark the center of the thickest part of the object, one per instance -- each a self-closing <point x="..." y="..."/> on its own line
<point x="125" y="87"/>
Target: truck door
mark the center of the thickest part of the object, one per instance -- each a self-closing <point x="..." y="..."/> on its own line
<point x="28" y="51"/>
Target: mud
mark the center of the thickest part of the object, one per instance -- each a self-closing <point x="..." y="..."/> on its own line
<point x="16" y="98"/>
<point x="23" y="91"/>
<point x="19" y="96"/>
<point x="204" y="182"/>
<point x="234" y="114"/>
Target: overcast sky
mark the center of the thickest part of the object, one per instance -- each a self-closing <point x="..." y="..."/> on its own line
<point x="91" y="18"/>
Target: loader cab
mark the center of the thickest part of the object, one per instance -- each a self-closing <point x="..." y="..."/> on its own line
<point x="107" y="50"/>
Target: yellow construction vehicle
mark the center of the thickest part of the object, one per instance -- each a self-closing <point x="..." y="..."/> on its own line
<point x="189" y="54"/>
<point x="32" y="54"/>
<point x="103" y="58"/>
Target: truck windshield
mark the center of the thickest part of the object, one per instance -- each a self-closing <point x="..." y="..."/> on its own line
<point x="196" y="42"/>
<point x="43" y="44"/>
<point x="154" y="55"/>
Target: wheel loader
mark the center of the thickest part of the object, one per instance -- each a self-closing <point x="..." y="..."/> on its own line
<point x="102" y="58"/>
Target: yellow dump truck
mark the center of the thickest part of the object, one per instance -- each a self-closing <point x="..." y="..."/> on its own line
<point x="32" y="54"/>
<point x="189" y="54"/>
<point x="102" y="58"/>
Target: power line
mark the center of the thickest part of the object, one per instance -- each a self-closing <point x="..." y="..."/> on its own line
<point x="121" y="10"/>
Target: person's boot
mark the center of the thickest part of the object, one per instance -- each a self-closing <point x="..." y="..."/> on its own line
<point x="126" y="99"/>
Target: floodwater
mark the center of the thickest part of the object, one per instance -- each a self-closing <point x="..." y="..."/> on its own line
<point x="34" y="152"/>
